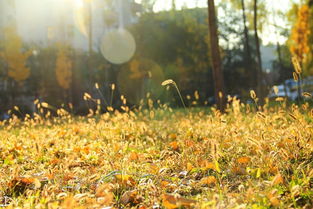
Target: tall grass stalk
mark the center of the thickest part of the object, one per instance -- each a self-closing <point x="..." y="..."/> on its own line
<point x="100" y="93"/>
<point x="112" y="94"/>
<point x="169" y="82"/>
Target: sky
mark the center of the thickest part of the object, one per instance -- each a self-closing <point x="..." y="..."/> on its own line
<point x="32" y="17"/>
<point x="268" y="34"/>
<point x="166" y="4"/>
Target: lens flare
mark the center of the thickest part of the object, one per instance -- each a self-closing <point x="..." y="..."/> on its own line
<point x="118" y="46"/>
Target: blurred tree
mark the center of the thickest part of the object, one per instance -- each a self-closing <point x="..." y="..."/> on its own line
<point x="283" y="64"/>
<point x="241" y="5"/>
<point x="14" y="57"/>
<point x="301" y="37"/>
<point x="260" y="79"/>
<point x="309" y="60"/>
<point x="177" y="41"/>
<point x="148" y="5"/>
<point x="246" y="34"/>
<point x="300" y="34"/>
<point x="236" y="66"/>
<point x="173" y="4"/>
<point x="219" y="91"/>
<point x="63" y="67"/>
<point x="300" y="41"/>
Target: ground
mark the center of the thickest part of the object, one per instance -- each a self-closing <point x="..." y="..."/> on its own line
<point x="160" y="158"/>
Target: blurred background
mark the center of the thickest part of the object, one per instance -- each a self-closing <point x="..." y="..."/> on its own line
<point x="56" y="50"/>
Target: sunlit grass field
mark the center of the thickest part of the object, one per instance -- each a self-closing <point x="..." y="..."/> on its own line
<point x="160" y="158"/>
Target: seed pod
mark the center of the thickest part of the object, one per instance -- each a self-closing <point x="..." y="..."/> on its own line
<point x="295" y="76"/>
<point x="296" y="65"/>
<point x="252" y="94"/>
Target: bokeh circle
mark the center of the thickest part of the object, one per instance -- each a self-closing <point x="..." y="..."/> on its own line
<point x="118" y="46"/>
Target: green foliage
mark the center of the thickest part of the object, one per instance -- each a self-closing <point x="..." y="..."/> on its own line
<point x="178" y="42"/>
<point x="235" y="6"/>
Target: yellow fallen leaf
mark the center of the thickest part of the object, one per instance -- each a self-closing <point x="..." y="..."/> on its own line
<point x="172" y="136"/>
<point x="133" y="156"/>
<point x="244" y="160"/>
<point x="217" y="167"/>
<point x="278" y="179"/>
<point x="189" y="166"/>
<point x="209" y="180"/>
<point x="125" y="180"/>
<point x="174" y="145"/>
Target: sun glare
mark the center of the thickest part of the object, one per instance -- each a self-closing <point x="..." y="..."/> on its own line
<point x="78" y="3"/>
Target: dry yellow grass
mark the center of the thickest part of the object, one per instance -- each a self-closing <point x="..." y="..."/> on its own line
<point x="240" y="159"/>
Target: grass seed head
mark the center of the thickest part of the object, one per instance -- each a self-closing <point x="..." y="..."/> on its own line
<point x="167" y="82"/>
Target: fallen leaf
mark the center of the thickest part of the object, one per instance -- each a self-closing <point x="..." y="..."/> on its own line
<point x="131" y="198"/>
<point x="238" y="170"/>
<point x="164" y="183"/>
<point x="278" y="179"/>
<point x="209" y="180"/>
<point x="172" y="202"/>
<point x="125" y="180"/>
<point x="174" y="145"/>
<point x="172" y="136"/>
<point x="19" y="185"/>
<point x="133" y="156"/>
<point x="244" y="160"/>
<point x="189" y="167"/>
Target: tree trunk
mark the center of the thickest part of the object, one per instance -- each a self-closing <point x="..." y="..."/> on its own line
<point x="260" y="92"/>
<point x="246" y="33"/>
<point x="173" y="4"/>
<point x="218" y="77"/>
<point x="280" y="64"/>
<point x="247" y="46"/>
<point x="90" y="51"/>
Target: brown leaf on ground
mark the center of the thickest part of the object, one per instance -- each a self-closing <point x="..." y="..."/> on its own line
<point x="208" y="181"/>
<point x="172" y="202"/>
<point x="278" y="179"/>
<point x="131" y="198"/>
<point x="19" y="185"/>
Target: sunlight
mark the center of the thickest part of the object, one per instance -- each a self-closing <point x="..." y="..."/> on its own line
<point x="156" y="104"/>
<point x="78" y="3"/>
<point x="80" y="16"/>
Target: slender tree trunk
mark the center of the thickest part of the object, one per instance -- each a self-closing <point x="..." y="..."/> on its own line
<point x="260" y="92"/>
<point x="247" y="47"/>
<point x="246" y="33"/>
<point x="280" y="64"/>
<point x="90" y="70"/>
<point x="173" y="4"/>
<point x="74" y="85"/>
<point x="218" y="77"/>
